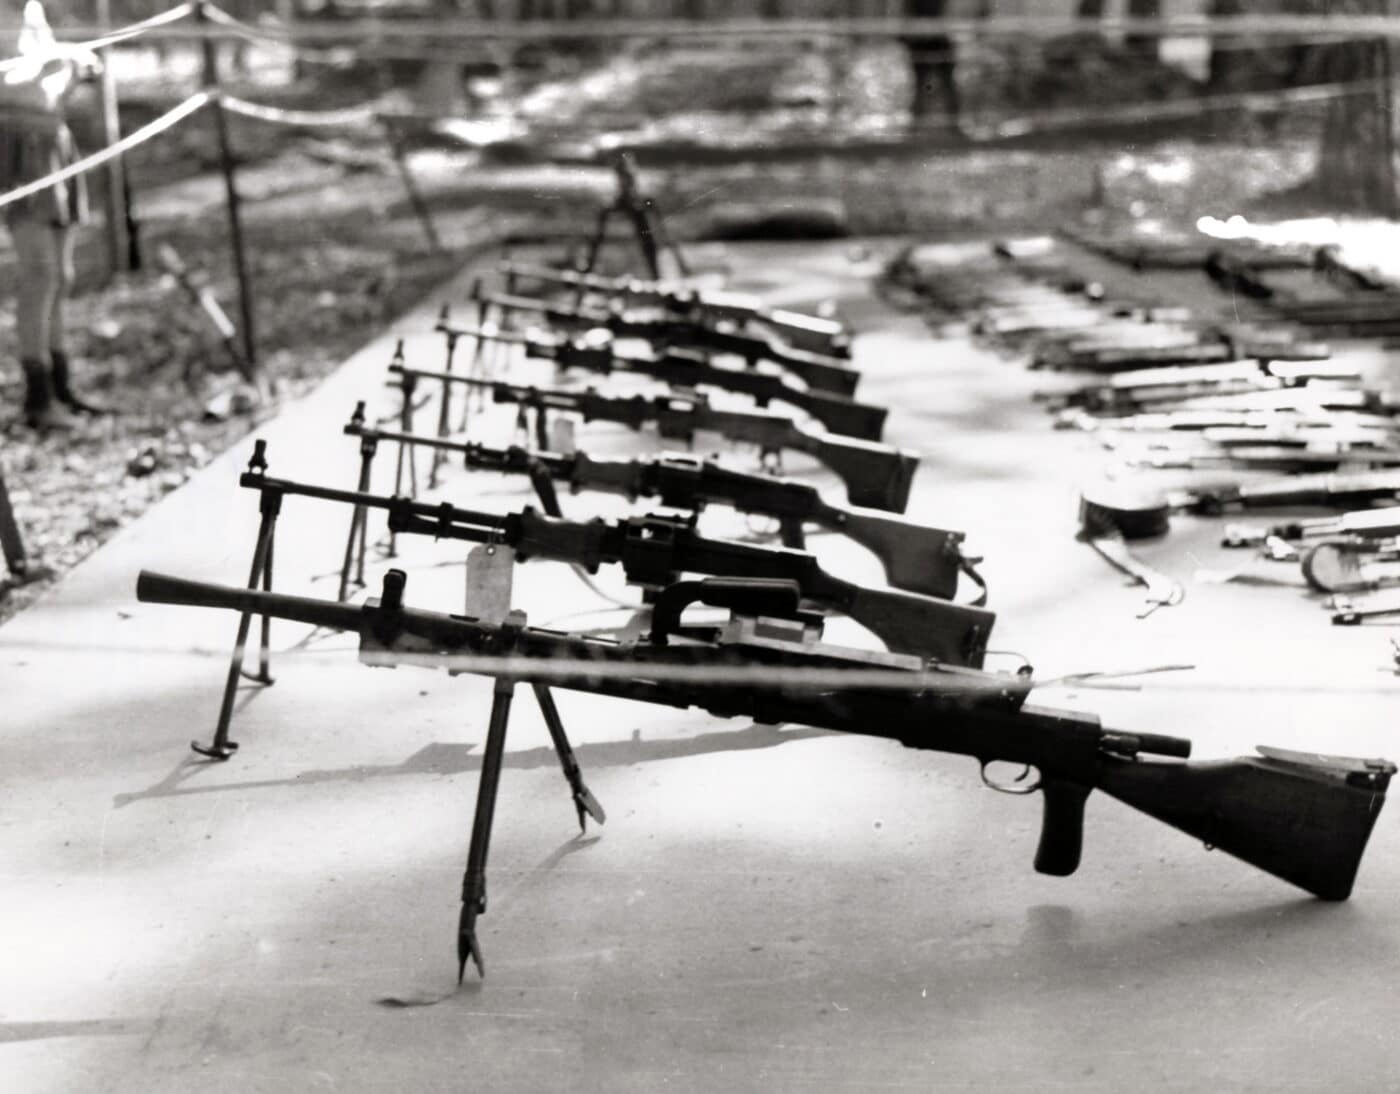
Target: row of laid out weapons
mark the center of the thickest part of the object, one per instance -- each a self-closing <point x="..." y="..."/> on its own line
<point x="1305" y="819"/>
<point x="915" y="619"/>
<point x="1200" y="394"/>
<point x="1037" y="304"/>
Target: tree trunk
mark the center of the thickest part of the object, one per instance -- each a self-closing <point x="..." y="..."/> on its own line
<point x="1355" y="165"/>
<point x="1147" y="43"/>
<point x="932" y="65"/>
<point x="440" y="91"/>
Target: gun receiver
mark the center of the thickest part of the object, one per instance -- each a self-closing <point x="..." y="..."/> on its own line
<point x="689" y="369"/>
<point x="820" y="373"/>
<point x="797" y="329"/>
<point x="876" y="475"/>
<point x="1304" y="818"/>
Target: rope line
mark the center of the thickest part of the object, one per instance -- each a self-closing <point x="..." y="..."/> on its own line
<point x="1256" y="27"/>
<point x="355" y="115"/>
<point x="112" y="151"/>
<point x="264" y="35"/>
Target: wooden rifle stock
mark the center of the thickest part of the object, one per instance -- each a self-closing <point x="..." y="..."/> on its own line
<point x="1300" y="817"/>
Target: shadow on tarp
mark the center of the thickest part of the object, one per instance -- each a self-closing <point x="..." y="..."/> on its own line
<point x="455" y="758"/>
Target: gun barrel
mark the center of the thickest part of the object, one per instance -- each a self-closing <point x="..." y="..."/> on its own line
<point x="158" y="588"/>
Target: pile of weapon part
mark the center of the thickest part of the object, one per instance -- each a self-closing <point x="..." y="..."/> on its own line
<point x="921" y="682"/>
<point x="1233" y="402"/>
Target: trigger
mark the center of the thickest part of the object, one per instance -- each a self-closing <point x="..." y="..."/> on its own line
<point x="1014" y="784"/>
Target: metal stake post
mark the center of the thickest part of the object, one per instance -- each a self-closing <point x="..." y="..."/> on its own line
<point x="226" y="164"/>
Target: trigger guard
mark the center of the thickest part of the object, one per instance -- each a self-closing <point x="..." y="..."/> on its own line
<point x="1008" y="788"/>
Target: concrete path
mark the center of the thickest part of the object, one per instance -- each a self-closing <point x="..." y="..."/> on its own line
<point x="766" y="910"/>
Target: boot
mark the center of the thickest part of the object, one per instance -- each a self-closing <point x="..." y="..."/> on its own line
<point x="40" y="410"/>
<point x="63" y="392"/>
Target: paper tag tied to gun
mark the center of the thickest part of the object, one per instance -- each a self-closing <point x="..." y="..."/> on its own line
<point x="561" y="436"/>
<point x="490" y="578"/>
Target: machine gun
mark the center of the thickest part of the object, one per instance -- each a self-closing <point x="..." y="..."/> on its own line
<point x="916" y="557"/>
<point x="799" y="330"/>
<point x="689" y="369"/>
<point x="1302" y="817"/>
<point x="654" y="550"/>
<point x="821" y="373"/>
<point x="877" y="476"/>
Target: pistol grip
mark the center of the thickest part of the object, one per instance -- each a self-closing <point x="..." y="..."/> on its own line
<point x="1061" y="827"/>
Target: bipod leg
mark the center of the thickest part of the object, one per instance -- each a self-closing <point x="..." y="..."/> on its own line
<point x="474" y="881"/>
<point x="646" y="239"/>
<point x="358" y="519"/>
<point x="264" y="673"/>
<point x="221" y="748"/>
<point x="662" y="235"/>
<point x="405" y="462"/>
<point x="584" y="801"/>
<point x="444" y="427"/>
<point x="600" y="230"/>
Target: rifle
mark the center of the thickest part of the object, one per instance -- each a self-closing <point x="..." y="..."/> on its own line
<point x="653" y="550"/>
<point x="1139" y="388"/>
<point x="1337" y="491"/>
<point x="801" y="331"/>
<point x="1118" y="358"/>
<point x="1363" y="524"/>
<point x="1271" y="457"/>
<point x="1211" y="422"/>
<point x="876" y="475"/>
<point x="821" y="373"/>
<point x="916" y="557"/>
<point x="689" y="369"/>
<point x="1303" y="817"/>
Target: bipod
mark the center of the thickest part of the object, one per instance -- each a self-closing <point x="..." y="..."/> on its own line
<point x="646" y="222"/>
<point x="260" y="573"/>
<point x="477" y="366"/>
<point x="355" y="542"/>
<point x="444" y="427"/>
<point x="474" y="880"/>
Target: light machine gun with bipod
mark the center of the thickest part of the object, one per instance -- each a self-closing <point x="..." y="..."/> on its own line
<point x="915" y="557"/>
<point x="812" y="333"/>
<point x="1302" y="817"/>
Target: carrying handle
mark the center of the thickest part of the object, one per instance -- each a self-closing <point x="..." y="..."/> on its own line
<point x="749" y="595"/>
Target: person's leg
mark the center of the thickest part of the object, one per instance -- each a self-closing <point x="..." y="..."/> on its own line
<point x="38" y="284"/>
<point x="36" y="262"/>
<point x="61" y="249"/>
<point x="60" y="244"/>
